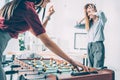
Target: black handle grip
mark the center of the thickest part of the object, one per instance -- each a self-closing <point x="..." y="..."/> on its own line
<point x="15" y="66"/>
<point x="79" y="73"/>
<point x="10" y="72"/>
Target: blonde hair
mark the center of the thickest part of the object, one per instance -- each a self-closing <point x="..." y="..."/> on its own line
<point x="87" y="22"/>
<point x="8" y="9"/>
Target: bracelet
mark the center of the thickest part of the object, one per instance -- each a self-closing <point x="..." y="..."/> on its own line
<point x="48" y="17"/>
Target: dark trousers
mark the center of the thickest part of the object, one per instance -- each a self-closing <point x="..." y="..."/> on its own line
<point x="4" y="38"/>
<point x="96" y="54"/>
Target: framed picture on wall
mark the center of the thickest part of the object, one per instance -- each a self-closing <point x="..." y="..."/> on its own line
<point x="80" y="41"/>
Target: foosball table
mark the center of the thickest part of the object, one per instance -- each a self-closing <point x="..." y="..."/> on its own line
<point x="53" y="69"/>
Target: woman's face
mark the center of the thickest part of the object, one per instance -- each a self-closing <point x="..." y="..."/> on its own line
<point x="91" y="12"/>
<point x="45" y="2"/>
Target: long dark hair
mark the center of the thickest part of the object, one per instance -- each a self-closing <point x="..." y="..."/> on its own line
<point x="87" y="19"/>
<point x="8" y="9"/>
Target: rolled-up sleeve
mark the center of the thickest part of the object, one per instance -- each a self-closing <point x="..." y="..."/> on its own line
<point x="102" y="17"/>
<point x="80" y="26"/>
<point x="34" y="22"/>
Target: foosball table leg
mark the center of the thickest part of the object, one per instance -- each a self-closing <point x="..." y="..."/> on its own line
<point x="85" y="60"/>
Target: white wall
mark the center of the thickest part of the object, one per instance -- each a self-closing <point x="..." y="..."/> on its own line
<point x="2" y="3"/>
<point x="112" y="35"/>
